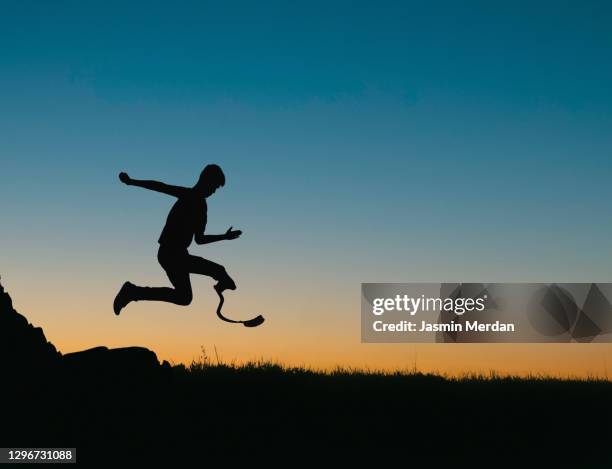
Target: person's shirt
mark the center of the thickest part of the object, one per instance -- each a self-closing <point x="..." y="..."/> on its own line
<point x="187" y="216"/>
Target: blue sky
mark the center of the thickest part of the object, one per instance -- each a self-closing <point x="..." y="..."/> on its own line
<point x="362" y="141"/>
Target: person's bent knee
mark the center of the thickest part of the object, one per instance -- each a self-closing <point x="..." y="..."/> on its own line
<point x="184" y="298"/>
<point x="220" y="273"/>
<point x="223" y="275"/>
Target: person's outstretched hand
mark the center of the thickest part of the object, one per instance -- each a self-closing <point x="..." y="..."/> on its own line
<point x="232" y="234"/>
<point x="124" y="178"/>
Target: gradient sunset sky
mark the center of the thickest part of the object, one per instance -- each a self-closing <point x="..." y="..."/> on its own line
<point x="362" y="142"/>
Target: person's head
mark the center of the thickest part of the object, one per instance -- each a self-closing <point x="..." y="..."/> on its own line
<point x="210" y="180"/>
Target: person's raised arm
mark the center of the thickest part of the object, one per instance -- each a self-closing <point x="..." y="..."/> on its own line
<point x="156" y="186"/>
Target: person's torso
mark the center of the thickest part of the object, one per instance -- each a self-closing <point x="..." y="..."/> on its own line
<point x="187" y="216"/>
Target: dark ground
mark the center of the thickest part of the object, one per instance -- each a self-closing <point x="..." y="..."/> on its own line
<point x="120" y="404"/>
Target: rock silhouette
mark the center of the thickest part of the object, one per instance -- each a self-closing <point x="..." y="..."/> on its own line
<point x="23" y="346"/>
<point x="26" y="353"/>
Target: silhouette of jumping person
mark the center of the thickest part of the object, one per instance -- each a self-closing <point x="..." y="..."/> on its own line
<point x="186" y="222"/>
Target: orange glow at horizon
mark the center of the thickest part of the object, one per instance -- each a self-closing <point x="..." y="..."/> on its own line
<point x="295" y="334"/>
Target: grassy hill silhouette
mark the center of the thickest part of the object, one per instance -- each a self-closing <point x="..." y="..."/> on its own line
<point x="118" y="405"/>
